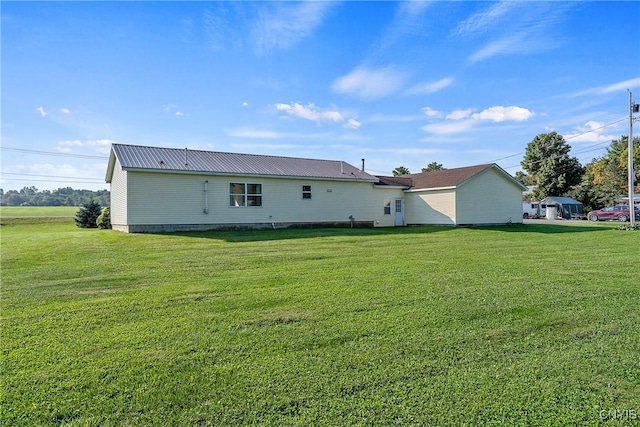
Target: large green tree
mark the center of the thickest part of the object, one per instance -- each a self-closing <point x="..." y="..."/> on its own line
<point x="400" y="170"/>
<point x="433" y="166"/>
<point x="547" y="158"/>
<point x="525" y="179"/>
<point x="608" y="175"/>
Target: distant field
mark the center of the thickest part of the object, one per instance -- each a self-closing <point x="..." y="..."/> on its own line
<point x="522" y="325"/>
<point x="38" y="211"/>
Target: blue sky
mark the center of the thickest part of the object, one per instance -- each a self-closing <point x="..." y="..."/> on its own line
<point x="398" y="84"/>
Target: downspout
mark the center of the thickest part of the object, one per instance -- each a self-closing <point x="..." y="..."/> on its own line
<point x="206" y="197"/>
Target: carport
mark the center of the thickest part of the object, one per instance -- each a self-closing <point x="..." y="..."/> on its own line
<point x="567" y="207"/>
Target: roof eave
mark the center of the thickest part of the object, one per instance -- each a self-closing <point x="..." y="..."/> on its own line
<point x="244" y="174"/>
<point x="418" y="190"/>
<point x="110" y="167"/>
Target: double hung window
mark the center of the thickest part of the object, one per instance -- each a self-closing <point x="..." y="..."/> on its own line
<point x="306" y="191"/>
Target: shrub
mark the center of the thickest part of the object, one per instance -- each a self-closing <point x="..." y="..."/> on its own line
<point x="104" y="220"/>
<point x="88" y="214"/>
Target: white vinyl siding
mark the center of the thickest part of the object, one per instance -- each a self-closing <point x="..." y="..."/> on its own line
<point x="431" y="207"/>
<point x="118" y="194"/>
<point x="166" y="198"/>
<point x="489" y="198"/>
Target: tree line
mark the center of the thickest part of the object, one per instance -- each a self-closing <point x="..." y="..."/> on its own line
<point x="551" y="171"/>
<point x="31" y="196"/>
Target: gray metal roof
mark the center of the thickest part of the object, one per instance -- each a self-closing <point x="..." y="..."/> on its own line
<point x="158" y="159"/>
<point x="560" y="200"/>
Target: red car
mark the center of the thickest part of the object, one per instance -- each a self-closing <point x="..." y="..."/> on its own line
<point x="618" y="212"/>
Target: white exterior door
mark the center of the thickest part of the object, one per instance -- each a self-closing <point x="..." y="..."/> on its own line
<point x="398" y="212"/>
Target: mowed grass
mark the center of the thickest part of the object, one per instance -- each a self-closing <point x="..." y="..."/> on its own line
<point x="519" y="325"/>
<point x="38" y="211"/>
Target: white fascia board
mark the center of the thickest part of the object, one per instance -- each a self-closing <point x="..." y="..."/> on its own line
<point x="421" y="190"/>
<point x="382" y="187"/>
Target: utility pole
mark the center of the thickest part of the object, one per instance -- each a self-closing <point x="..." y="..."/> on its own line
<point x="633" y="108"/>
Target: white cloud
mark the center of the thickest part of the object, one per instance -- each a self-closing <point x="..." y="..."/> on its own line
<point x="407" y="21"/>
<point x="430" y="112"/>
<point x="485" y="19"/>
<point x="170" y="108"/>
<point x="515" y="28"/>
<point x="282" y="24"/>
<point x="592" y="131"/>
<point x="505" y="45"/>
<point x="269" y="134"/>
<point x="310" y="112"/>
<point x="431" y="87"/>
<point x="370" y="84"/>
<point x="501" y="114"/>
<point x="101" y="146"/>
<point x="254" y="133"/>
<point x="245" y="104"/>
<point x="614" y="87"/>
<point x="463" y="120"/>
<point x="624" y="85"/>
<point x="41" y="111"/>
<point x="217" y="26"/>
<point x="389" y="118"/>
<point x="459" y="114"/>
<point x="353" y="124"/>
<point x="68" y="146"/>
<point x="65" y="111"/>
<point x="447" y="128"/>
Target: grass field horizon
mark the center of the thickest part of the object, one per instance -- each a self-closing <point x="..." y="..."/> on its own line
<point x="38" y="211"/>
<point x="530" y="324"/>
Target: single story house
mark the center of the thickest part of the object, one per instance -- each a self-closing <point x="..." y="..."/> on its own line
<point x="156" y="189"/>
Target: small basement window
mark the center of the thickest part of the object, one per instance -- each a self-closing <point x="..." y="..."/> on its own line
<point x="306" y="191"/>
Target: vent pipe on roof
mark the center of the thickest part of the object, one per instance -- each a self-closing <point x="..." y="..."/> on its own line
<point x="362" y="165"/>
<point x="186" y="159"/>
<point x="341" y="167"/>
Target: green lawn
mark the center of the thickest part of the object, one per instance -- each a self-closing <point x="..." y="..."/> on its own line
<point x="520" y="325"/>
<point x="38" y="211"/>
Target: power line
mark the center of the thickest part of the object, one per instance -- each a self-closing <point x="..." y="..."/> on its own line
<point x="569" y="137"/>
<point x="52" y="153"/>
<point x="595" y="129"/>
<point x="57" y="181"/>
<point x="50" y="176"/>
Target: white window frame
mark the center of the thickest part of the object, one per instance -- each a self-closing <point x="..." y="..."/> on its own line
<point x="386" y="204"/>
<point x="306" y="192"/>
<point x="242" y="199"/>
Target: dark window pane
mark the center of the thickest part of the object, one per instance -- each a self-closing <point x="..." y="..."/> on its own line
<point x="254" y="188"/>
<point x="235" y="188"/>
<point x="254" y="201"/>
<point x="236" y="200"/>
